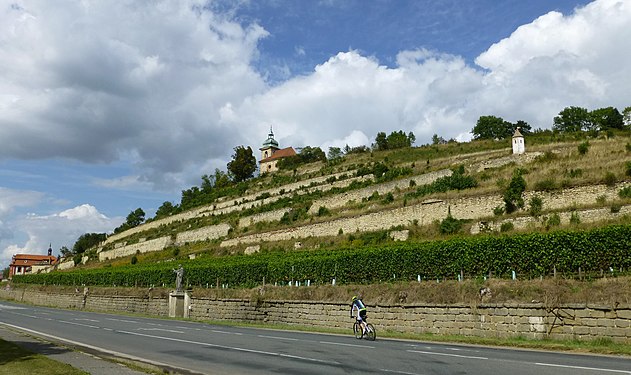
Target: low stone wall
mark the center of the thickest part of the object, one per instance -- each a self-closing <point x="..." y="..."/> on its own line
<point x="210" y="232"/>
<point x="340" y="200"/>
<point x="470" y="208"/>
<point x="568" y="322"/>
<point x="140" y="247"/>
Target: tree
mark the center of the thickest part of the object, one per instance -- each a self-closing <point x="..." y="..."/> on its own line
<point x="514" y="193"/>
<point x="243" y="164"/>
<point x="335" y="153"/>
<point x="572" y="119"/>
<point x="380" y="141"/>
<point x="492" y="127"/>
<point x="64" y="251"/>
<point x="5" y="273"/>
<point x="399" y="139"/>
<point x="135" y="218"/>
<point x="87" y="241"/>
<point x="437" y="140"/>
<point x="523" y="126"/>
<point x="167" y="209"/>
<point x="607" y="118"/>
<point x="310" y="154"/>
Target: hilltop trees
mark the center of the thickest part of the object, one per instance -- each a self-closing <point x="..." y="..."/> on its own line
<point x="396" y="139"/>
<point x="87" y="241"/>
<point x="493" y="127"/>
<point x="243" y="164"/>
<point x="134" y="219"/>
<point x="575" y="119"/>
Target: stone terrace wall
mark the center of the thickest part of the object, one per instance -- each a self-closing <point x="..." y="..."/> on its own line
<point x="473" y="208"/>
<point x="210" y="232"/>
<point x="140" y="247"/>
<point x="242" y="203"/>
<point x="384" y="188"/>
<point x="567" y="322"/>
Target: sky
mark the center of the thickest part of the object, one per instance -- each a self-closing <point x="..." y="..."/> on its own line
<point x="108" y="106"/>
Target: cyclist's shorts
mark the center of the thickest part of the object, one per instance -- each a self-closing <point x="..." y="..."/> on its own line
<point x="362" y="314"/>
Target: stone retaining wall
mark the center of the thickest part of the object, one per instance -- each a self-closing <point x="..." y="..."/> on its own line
<point x="210" y="232"/>
<point x="471" y="208"/>
<point x="567" y="322"/>
<point x="140" y="247"/>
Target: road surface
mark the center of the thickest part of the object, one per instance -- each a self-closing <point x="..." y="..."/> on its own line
<point x="198" y="348"/>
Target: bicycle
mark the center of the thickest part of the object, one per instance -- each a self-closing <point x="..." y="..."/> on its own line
<point x="371" y="333"/>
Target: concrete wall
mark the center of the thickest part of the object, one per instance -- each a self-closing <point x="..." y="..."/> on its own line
<point x="571" y="321"/>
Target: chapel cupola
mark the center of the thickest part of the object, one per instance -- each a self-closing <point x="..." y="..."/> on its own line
<point x="269" y="146"/>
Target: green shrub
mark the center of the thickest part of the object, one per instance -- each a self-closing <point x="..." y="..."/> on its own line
<point x="389" y="198"/>
<point x="628" y="147"/>
<point x="134" y="259"/>
<point x="507" y="226"/>
<point x="323" y="211"/>
<point x="553" y="221"/>
<point x="498" y="211"/>
<point x="610" y="179"/>
<point x="625" y="192"/>
<point x="574" y="173"/>
<point x="601" y="199"/>
<point x="575" y="218"/>
<point x="627" y="168"/>
<point x="615" y="207"/>
<point x="513" y="195"/>
<point x="583" y="148"/>
<point x="450" y="225"/>
<point x="536" y="205"/>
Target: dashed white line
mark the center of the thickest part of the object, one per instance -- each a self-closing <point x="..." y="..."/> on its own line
<point x="159" y="329"/>
<point x="122" y="320"/>
<point x="234" y="348"/>
<point x="344" y="344"/>
<point x="584" y="368"/>
<point x="78" y="324"/>
<point x="226" y="333"/>
<point x="399" y="372"/>
<point x="277" y="338"/>
<point x="448" y="354"/>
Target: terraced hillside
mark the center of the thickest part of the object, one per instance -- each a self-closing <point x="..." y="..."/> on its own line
<point x="413" y="194"/>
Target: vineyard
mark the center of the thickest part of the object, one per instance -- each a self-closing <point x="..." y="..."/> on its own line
<point x="533" y="255"/>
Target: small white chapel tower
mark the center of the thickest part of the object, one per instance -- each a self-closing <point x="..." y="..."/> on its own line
<point x="519" y="147"/>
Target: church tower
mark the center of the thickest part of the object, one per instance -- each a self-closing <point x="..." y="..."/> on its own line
<point x="270" y="146"/>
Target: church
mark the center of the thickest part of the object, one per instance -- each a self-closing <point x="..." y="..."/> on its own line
<point x="271" y="154"/>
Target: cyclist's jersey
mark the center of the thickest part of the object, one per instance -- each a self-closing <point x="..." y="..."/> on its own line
<point x="359" y="305"/>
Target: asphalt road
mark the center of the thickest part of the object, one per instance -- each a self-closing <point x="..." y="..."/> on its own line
<point x="191" y="347"/>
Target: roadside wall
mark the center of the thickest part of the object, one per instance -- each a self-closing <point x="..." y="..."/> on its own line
<point x="572" y="321"/>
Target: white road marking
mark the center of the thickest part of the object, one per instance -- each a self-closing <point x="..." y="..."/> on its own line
<point x="85" y="319"/>
<point x="277" y="338"/>
<point x="78" y="324"/>
<point x="226" y="333"/>
<point x="7" y="307"/>
<point x="233" y="348"/>
<point x="343" y="344"/>
<point x="447" y="354"/>
<point x="159" y="329"/>
<point x="108" y="329"/>
<point x="584" y="368"/>
<point x="398" y="372"/>
<point x="122" y="320"/>
<point x="189" y="328"/>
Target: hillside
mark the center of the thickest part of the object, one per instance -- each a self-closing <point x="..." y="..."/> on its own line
<point x="412" y="195"/>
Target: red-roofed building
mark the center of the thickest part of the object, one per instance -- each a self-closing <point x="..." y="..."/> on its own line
<point x="271" y="154"/>
<point x="22" y="264"/>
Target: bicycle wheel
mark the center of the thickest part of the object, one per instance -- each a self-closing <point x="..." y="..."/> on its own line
<point x="357" y="330"/>
<point x="371" y="334"/>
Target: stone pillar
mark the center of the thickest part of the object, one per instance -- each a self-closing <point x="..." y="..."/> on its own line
<point x="179" y="304"/>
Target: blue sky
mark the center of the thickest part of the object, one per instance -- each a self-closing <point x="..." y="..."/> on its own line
<point x="110" y="106"/>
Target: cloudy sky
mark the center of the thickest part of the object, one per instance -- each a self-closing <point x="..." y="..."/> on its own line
<point x="107" y="106"/>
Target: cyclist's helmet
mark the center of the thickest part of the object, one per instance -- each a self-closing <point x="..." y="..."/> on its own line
<point x="354" y="298"/>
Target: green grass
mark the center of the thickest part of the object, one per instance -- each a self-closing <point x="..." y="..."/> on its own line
<point x="15" y="360"/>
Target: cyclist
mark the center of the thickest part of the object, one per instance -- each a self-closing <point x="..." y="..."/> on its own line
<point x="358" y="305"/>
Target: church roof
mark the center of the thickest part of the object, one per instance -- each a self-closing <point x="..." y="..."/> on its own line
<point x="270" y="142"/>
<point x="285" y="152"/>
